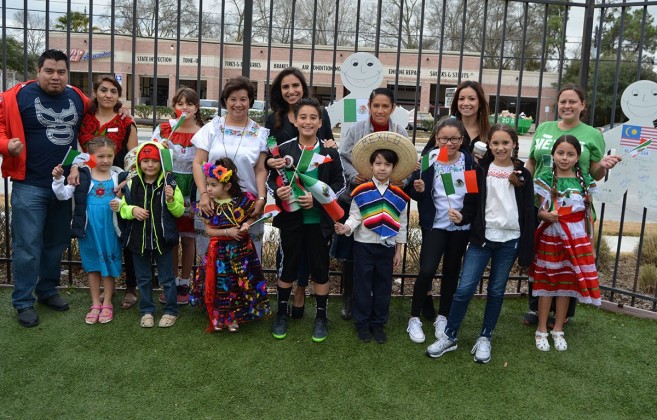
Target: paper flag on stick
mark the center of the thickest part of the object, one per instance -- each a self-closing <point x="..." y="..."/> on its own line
<point x="78" y="158"/>
<point x="635" y="151"/>
<point x="271" y="210"/>
<point x="324" y="194"/>
<point x="166" y="159"/>
<point x="442" y="154"/>
<point x="462" y="182"/>
<point x="180" y="122"/>
<point x="310" y="160"/>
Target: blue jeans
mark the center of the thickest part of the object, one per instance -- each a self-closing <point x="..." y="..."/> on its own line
<point x="165" y="275"/>
<point x="41" y="231"/>
<point x="503" y="254"/>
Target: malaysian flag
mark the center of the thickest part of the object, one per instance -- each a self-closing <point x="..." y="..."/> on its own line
<point x="634" y="135"/>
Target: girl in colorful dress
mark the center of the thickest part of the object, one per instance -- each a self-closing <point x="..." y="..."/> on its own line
<point x="104" y="119"/>
<point x="441" y="238"/>
<point x="95" y="224"/>
<point x="180" y="143"/>
<point x="564" y="264"/>
<point x="230" y="280"/>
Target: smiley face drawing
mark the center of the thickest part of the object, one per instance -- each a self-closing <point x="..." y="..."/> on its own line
<point x="361" y="73"/>
<point x="636" y="173"/>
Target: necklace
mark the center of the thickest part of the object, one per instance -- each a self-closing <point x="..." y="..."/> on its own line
<point x="223" y="141"/>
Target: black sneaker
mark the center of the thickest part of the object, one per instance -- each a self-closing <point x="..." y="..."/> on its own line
<point x="55" y="302"/>
<point x="28" y="317"/>
<point x="297" y="311"/>
<point x="379" y="335"/>
<point x="279" y="327"/>
<point x="320" y="330"/>
<point x="364" y="334"/>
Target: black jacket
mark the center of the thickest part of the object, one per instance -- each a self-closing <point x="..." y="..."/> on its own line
<point x="474" y="212"/>
<point x="330" y="173"/>
<point x="425" y="205"/>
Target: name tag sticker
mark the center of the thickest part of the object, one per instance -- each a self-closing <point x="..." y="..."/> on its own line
<point x="113" y="130"/>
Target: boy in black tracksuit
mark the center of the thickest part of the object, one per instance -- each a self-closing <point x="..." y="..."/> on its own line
<point x="306" y="232"/>
<point x="151" y="204"/>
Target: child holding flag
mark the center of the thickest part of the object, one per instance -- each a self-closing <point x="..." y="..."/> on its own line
<point x="502" y="228"/>
<point x="177" y="135"/>
<point x="441" y="238"/>
<point x="230" y="280"/>
<point x="94" y="221"/>
<point x="151" y="204"/>
<point x="377" y="218"/>
<point x="316" y="179"/>
<point x="564" y="264"/>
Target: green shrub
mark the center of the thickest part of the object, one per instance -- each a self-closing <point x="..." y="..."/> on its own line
<point x="164" y="112"/>
<point x="257" y="116"/>
<point x="207" y="114"/>
<point x="649" y="250"/>
<point x="143" y="111"/>
<point x="647" y="278"/>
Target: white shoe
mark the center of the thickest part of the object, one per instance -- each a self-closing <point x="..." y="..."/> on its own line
<point x="441" y="346"/>
<point x="481" y="350"/>
<point x="414" y="330"/>
<point x="439" y="325"/>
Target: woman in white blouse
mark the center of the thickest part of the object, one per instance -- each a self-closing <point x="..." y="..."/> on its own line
<point x="242" y="140"/>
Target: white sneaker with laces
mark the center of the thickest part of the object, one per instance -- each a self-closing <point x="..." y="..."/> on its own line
<point x="481" y="350"/>
<point x="439" y="325"/>
<point x="441" y="346"/>
<point x="414" y="330"/>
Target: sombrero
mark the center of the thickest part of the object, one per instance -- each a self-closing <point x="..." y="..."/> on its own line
<point x="360" y="155"/>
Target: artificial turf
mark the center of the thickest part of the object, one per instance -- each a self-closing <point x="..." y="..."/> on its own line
<point x="64" y="368"/>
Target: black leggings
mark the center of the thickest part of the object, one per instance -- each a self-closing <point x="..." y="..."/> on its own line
<point x="437" y="244"/>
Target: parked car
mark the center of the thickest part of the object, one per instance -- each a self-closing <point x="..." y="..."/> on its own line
<point x="209" y="108"/>
<point x="423" y="121"/>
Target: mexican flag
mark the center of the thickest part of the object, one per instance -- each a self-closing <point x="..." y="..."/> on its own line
<point x="437" y="154"/>
<point x="271" y="210"/>
<point x="166" y="159"/>
<point x="324" y="194"/>
<point x="309" y="160"/>
<point x="181" y="120"/>
<point x="355" y="110"/>
<point x="78" y="158"/>
<point x="461" y="182"/>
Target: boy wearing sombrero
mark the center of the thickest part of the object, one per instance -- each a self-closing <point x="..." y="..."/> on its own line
<point x="378" y="221"/>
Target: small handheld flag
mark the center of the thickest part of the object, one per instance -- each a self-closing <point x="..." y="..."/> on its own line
<point x="634" y="152"/>
<point x="180" y="122"/>
<point x="78" y="158"/>
<point x="462" y="182"/>
<point x="166" y="159"/>
<point x="324" y="194"/>
<point x="271" y="210"/>
<point x="291" y="205"/>
<point x="310" y="160"/>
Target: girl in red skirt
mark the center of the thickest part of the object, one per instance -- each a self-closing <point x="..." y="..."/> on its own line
<point x="564" y="263"/>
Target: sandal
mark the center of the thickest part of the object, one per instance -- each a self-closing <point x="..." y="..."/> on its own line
<point x="129" y="300"/>
<point x="560" y="343"/>
<point x="167" y="321"/>
<point x="147" y="321"/>
<point x="542" y="342"/>
<point x="106" y="314"/>
<point x="92" y="317"/>
<point x="234" y="327"/>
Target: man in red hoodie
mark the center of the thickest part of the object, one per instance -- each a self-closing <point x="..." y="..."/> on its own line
<point x="39" y="121"/>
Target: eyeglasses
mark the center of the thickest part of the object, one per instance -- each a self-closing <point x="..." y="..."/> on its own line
<point x="453" y="140"/>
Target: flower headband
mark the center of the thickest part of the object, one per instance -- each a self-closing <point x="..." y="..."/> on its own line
<point x="217" y="172"/>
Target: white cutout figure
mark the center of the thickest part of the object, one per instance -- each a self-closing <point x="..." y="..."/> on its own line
<point x="637" y="172"/>
<point x="361" y="73"/>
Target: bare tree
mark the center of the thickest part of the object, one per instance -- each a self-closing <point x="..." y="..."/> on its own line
<point x="396" y="12"/>
<point x="470" y="36"/>
<point x="35" y="34"/>
<point x="167" y="22"/>
<point x="318" y="17"/>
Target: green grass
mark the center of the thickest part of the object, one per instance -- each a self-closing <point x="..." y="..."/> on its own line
<point x="66" y="369"/>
